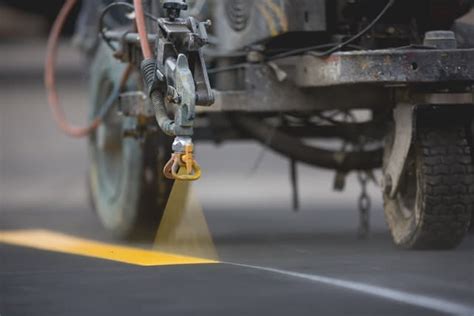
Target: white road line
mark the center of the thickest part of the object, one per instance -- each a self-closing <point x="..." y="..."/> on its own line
<point x="432" y="303"/>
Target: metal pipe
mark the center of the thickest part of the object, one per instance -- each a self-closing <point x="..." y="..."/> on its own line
<point x="141" y="27"/>
<point x="132" y="38"/>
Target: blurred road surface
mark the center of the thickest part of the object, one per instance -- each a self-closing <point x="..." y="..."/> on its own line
<point x="283" y="263"/>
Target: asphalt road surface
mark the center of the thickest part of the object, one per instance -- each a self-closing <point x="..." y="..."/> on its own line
<point x="271" y="260"/>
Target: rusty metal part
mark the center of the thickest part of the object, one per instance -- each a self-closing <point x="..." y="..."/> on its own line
<point x="352" y="80"/>
<point x="386" y="68"/>
<point x="265" y="93"/>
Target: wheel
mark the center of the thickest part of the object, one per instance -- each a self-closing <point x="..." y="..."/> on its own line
<point x="435" y="201"/>
<point x="128" y="191"/>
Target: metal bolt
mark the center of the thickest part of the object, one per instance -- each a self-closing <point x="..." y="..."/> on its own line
<point x="255" y="57"/>
<point x="391" y="30"/>
<point x="207" y="23"/>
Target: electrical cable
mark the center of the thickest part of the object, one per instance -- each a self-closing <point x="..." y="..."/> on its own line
<point x="335" y="47"/>
<point x="275" y="57"/>
<point x="308" y="49"/>
<point x="50" y="81"/>
<point x="311" y="49"/>
<point x="364" y="31"/>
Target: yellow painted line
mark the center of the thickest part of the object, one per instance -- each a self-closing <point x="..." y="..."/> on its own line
<point x="56" y="242"/>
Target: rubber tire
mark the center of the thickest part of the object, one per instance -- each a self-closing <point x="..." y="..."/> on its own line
<point x="444" y="189"/>
<point x="134" y="209"/>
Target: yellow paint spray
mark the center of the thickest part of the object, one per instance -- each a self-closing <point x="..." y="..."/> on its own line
<point x="184" y="229"/>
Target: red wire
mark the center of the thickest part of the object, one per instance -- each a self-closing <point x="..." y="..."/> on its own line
<point x="141" y="26"/>
<point x="50" y="78"/>
<point x="50" y="69"/>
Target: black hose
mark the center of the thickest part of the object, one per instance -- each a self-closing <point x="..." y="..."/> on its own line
<point x="297" y="150"/>
<point x="166" y="124"/>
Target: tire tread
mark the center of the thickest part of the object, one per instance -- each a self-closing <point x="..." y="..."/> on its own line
<point x="447" y="185"/>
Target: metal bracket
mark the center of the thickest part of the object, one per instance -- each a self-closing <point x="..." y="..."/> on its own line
<point x="404" y="133"/>
<point x="182" y="94"/>
<point x="136" y="104"/>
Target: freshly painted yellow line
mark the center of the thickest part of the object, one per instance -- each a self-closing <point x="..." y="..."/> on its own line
<point x="51" y="241"/>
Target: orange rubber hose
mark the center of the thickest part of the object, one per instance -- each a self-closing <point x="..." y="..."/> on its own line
<point x="141" y="27"/>
<point x="50" y="77"/>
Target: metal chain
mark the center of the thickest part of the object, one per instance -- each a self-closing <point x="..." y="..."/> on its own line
<point x="365" y="204"/>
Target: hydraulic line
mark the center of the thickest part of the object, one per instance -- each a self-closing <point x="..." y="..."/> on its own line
<point x="165" y="123"/>
<point x="141" y="27"/>
<point x="50" y="81"/>
<point x="298" y="151"/>
<point x="148" y="69"/>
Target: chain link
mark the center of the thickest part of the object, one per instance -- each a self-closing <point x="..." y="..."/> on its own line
<point x="364" y="204"/>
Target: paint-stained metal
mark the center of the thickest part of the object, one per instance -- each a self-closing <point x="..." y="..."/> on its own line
<point x="387" y="67"/>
